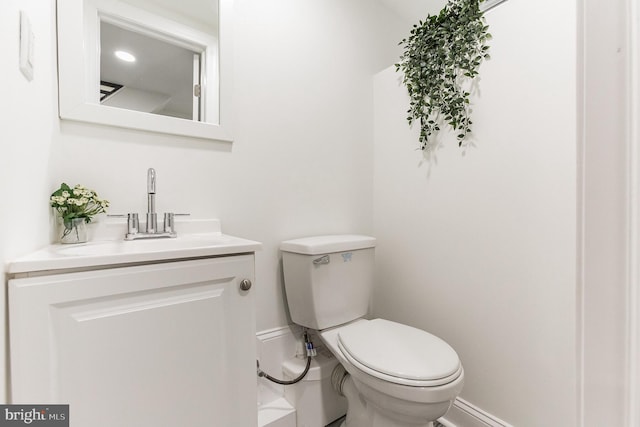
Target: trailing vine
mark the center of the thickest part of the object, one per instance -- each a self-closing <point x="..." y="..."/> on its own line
<point x="442" y="54"/>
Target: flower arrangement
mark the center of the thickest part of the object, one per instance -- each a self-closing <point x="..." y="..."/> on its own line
<point x="76" y="202"/>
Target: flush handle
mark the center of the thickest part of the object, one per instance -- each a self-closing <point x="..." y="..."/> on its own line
<point x="245" y="285"/>
<point x="322" y="260"/>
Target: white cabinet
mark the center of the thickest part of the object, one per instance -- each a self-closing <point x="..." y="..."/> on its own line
<point x="166" y="344"/>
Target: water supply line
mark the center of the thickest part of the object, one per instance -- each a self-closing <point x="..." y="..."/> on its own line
<point x="311" y="351"/>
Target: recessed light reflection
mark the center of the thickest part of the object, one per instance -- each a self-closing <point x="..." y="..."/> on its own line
<point x="125" y="56"/>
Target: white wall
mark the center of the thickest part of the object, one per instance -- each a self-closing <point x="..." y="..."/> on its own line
<point x="605" y="161"/>
<point x="302" y="159"/>
<point x="478" y="245"/>
<point x="26" y="122"/>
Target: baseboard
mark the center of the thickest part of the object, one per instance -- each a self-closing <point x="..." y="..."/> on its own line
<point x="465" y="414"/>
<point x="276" y="333"/>
<point x="275" y="346"/>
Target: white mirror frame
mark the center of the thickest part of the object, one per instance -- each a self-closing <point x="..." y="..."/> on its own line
<point x="79" y="69"/>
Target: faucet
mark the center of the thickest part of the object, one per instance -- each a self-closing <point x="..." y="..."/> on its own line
<point x="151" y="230"/>
<point x="152" y="216"/>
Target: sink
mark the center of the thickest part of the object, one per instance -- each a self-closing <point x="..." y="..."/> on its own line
<point x="181" y="243"/>
<point x="121" y="252"/>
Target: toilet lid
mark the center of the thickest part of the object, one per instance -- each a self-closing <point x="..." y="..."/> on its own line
<point x="399" y="351"/>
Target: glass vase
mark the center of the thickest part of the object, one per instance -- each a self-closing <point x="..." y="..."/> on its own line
<point x="72" y="231"/>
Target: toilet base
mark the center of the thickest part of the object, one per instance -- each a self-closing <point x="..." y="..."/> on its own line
<point x="363" y="413"/>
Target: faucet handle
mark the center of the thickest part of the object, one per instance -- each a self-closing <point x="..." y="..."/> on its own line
<point x="169" y="221"/>
<point x="133" y="223"/>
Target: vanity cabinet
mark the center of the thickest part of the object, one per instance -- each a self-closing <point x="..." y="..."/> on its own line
<point x="169" y="343"/>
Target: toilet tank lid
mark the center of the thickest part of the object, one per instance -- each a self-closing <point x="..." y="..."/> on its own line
<point x="317" y="245"/>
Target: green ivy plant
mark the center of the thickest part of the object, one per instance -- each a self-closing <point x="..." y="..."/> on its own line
<point x="442" y="54"/>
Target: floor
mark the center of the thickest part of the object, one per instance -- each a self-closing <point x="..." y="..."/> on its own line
<point x="336" y="423"/>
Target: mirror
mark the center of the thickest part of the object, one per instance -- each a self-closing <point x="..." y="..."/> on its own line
<point x="142" y="73"/>
<point x="177" y="79"/>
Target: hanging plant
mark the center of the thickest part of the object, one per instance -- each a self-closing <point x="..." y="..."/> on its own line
<point x="441" y="56"/>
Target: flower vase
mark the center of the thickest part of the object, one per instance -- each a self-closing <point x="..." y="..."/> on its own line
<point x="73" y="230"/>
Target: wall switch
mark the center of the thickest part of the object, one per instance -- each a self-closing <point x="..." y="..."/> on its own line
<point x="26" y="46"/>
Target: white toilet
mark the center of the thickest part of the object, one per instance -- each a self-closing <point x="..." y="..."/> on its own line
<point x="392" y="375"/>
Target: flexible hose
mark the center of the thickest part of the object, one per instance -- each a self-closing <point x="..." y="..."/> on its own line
<point x="286" y="382"/>
<point x="307" y="342"/>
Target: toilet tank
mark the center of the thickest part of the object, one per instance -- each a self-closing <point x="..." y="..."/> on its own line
<point x="328" y="279"/>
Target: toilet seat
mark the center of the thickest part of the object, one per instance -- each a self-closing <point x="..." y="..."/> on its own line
<point x="399" y="353"/>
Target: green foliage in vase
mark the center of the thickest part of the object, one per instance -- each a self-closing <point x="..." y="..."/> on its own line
<point x="77" y="202"/>
<point x="442" y="54"/>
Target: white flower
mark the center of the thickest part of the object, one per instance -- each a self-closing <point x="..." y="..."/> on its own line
<point x="79" y="200"/>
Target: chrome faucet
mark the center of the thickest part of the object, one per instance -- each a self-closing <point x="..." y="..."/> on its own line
<point x="152" y="216"/>
<point x="151" y="230"/>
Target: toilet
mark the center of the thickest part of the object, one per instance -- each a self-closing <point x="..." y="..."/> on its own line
<point x="392" y="375"/>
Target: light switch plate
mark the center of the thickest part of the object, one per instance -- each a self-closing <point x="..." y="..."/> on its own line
<point x="26" y="46"/>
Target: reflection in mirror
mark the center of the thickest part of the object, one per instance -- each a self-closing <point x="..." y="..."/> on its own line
<point x="142" y="73"/>
<point x="180" y="81"/>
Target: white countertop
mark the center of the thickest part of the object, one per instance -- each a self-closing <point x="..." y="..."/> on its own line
<point x="106" y="251"/>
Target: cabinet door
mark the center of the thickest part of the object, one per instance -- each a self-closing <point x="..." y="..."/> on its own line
<point x="169" y="344"/>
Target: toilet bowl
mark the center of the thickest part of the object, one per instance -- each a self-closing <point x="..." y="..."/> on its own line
<point x="393" y="375"/>
<point x="402" y="376"/>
